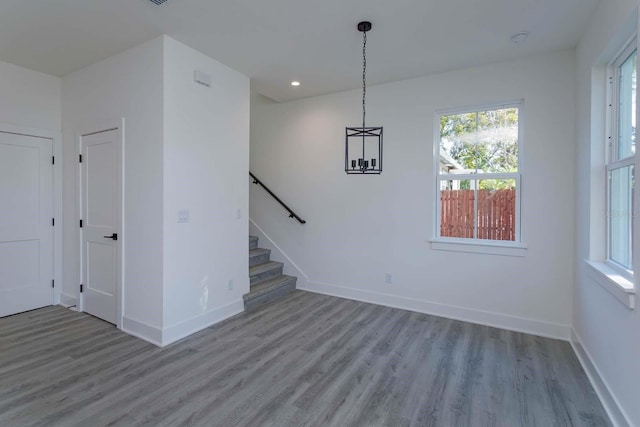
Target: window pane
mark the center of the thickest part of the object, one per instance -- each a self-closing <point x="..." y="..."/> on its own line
<point x="496" y="217"/>
<point x="497" y="138"/>
<point x="455" y="184"/>
<point x="458" y="143"/>
<point x="479" y="142"/>
<point x="457" y="204"/>
<point x="627" y="105"/>
<point x="620" y="215"/>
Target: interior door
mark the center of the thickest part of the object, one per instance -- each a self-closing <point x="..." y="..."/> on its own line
<point x="26" y="228"/>
<point x="100" y="240"/>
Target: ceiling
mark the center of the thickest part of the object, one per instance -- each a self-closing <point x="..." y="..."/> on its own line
<point x="277" y="41"/>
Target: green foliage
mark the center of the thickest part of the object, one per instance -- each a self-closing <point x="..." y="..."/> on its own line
<point x="486" y="141"/>
<point x="499" y="157"/>
<point x="497" y="184"/>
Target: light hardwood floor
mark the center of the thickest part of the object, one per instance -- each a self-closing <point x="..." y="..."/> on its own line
<point x="307" y="360"/>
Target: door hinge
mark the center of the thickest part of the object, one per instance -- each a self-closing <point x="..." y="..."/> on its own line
<point x="80" y="157"/>
<point x="80" y="223"/>
<point x="53" y="160"/>
<point x="53" y="283"/>
<point x="53" y="222"/>
<point x="81" y="288"/>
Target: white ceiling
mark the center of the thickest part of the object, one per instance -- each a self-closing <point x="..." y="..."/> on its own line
<point x="277" y="41"/>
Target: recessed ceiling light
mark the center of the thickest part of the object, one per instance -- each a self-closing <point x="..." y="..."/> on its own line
<point x="520" y="37"/>
<point x="295" y="83"/>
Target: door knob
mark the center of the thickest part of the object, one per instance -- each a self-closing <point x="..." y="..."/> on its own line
<point x="114" y="236"/>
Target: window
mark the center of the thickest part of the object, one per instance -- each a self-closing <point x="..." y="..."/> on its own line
<point x="613" y="119"/>
<point x="478" y="174"/>
<point x="622" y="76"/>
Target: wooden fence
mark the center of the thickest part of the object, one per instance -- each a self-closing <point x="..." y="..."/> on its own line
<point x="496" y="214"/>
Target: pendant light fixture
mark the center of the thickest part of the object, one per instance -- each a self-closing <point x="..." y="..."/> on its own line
<point x="363" y="145"/>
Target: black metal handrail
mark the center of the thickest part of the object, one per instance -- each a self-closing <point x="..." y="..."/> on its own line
<point x="292" y="214"/>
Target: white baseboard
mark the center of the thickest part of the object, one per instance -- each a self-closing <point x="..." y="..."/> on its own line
<point x="142" y="330"/>
<point x="512" y="323"/>
<point x="163" y="337"/>
<point x="198" y="323"/>
<point x="277" y="254"/>
<point x="608" y="399"/>
<point x="67" y="300"/>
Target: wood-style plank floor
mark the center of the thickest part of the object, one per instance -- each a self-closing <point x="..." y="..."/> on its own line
<point x="307" y="360"/>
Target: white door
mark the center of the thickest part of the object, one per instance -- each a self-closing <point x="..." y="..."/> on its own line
<point x="100" y="209"/>
<point x="26" y="228"/>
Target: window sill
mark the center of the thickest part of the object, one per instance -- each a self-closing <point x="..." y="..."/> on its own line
<point x="487" y="248"/>
<point x="617" y="285"/>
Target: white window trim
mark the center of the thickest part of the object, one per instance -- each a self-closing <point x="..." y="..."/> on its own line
<point x="613" y="282"/>
<point x="482" y="246"/>
<point x="478" y="246"/>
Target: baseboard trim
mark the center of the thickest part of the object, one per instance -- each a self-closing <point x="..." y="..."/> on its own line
<point x="496" y="320"/>
<point x="602" y="389"/>
<point x="280" y="255"/>
<point x="67" y="300"/>
<point x="142" y="330"/>
<point x="195" y="324"/>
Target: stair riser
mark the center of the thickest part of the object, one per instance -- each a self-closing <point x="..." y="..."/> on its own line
<point x="253" y="244"/>
<point x="267" y="281"/>
<point x="258" y="259"/>
<point x="271" y="296"/>
<point x="269" y="286"/>
<point x="266" y="275"/>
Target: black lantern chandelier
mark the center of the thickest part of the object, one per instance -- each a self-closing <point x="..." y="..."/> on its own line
<point x="363" y="145"/>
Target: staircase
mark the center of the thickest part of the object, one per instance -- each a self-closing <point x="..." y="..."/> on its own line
<point x="267" y="281"/>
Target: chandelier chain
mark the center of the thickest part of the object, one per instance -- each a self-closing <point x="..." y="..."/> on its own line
<point x="364" y="77"/>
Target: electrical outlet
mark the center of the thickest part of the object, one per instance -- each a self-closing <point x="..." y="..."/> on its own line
<point x="230" y="284"/>
<point x="388" y="278"/>
<point x="238" y="214"/>
<point x="183" y="216"/>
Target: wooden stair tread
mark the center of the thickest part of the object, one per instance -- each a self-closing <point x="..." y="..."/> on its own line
<point x="264" y="267"/>
<point x="267" y="283"/>
<point x="258" y="251"/>
<point x="269" y="286"/>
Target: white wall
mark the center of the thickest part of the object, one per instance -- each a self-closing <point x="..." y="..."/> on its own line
<point x="130" y="86"/>
<point x="186" y="148"/>
<point x="29" y="98"/>
<point x="606" y="331"/>
<point x="206" y="162"/>
<point x="360" y="227"/>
